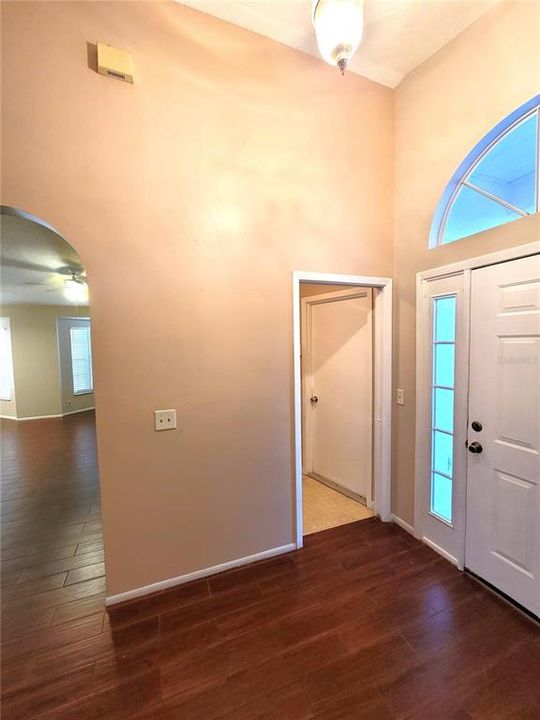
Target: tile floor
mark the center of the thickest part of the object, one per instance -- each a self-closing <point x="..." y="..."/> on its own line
<point x="325" y="508"/>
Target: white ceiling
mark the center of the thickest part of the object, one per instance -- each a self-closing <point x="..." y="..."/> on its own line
<point x="30" y="258"/>
<point x="398" y="34"/>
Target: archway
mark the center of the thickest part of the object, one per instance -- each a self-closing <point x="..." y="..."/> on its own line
<point x="52" y="531"/>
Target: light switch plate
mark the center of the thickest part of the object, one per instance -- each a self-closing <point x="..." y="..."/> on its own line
<point x="400" y="396"/>
<point x="165" y="419"/>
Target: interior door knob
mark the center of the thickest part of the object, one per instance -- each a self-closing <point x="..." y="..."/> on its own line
<point x="314" y="399"/>
<point x="475" y="448"/>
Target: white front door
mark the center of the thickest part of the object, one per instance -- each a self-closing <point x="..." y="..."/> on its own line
<point x="340" y="390"/>
<point x="503" y="494"/>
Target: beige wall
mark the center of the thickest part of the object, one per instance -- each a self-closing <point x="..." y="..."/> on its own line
<point x="309" y="289"/>
<point x="441" y="111"/>
<point x="36" y="368"/>
<point x="191" y="196"/>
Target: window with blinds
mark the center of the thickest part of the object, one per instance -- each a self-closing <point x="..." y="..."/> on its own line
<point x="81" y="360"/>
<point x="6" y="362"/>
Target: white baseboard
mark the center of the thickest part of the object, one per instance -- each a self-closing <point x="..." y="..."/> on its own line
<point x="197" y="575"/>
<point x="47" y="417"/>
<point x="38" y="417"/>
<point x="405" y="525"/>
<point x="74" y="412"/>
<point x="438" y="549"/>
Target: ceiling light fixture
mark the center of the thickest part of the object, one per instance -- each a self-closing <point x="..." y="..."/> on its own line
<point x="76" y="291"/>
<point x="338" y="27"/>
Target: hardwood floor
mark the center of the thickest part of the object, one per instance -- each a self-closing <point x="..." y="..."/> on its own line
<point x="364" y="622"/>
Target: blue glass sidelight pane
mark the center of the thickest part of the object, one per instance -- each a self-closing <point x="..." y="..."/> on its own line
<point x="508" y="170"/>
<point x="443" y="409"/>
<point x="473" y="212"/>
<point x="441" y="496"/>
<point x="445" y="319"/>
<point x="444" y="360"/>
<point x="443" y="448"/>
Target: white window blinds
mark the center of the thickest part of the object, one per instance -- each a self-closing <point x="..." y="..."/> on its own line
<point x="81" y="360"/>
<point x="6" y="362"/>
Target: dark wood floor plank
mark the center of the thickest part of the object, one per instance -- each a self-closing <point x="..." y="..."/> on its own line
<point x="206" y="703"/>
<point x="32" y="559"/>
<point x="363" y="623"/>
<point x="20" y="624"/>
<point x="53" y="637"/>
<point x="78" y="609"/>
<point x="173" y="601"/>
<point x="294" y="665"/>
<point x="63" y="565"/>
<point x="43" y="697"/>
<point x="86" y="572"/>
<point x="57" y="596"/>
<point x="287" y="703"/>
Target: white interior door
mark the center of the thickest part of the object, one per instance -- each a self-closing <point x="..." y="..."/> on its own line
<point x="503" y="495"/>
<point x="340" y="387"/>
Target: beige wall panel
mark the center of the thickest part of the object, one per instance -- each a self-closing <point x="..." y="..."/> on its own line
<point x="191" y="196"/>
<point x="442" y="109"/>
<point x="36" y="369"/>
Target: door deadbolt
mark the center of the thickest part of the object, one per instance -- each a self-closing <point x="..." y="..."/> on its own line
<point x="314" y="399"/>
<point x="476" y="425"/>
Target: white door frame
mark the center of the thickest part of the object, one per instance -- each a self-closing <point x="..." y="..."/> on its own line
<point x="462" y="272"/>
<point x="382" y="376"/>
<point x="307" y="375"/>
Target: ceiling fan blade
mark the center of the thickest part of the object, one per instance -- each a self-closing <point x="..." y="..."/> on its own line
<point x="23" y="265"/>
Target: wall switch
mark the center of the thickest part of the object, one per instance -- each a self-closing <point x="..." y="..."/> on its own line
<point x="400" y="396"/>
<point x="165" y="419"/>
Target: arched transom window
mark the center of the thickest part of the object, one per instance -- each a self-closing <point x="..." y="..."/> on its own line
<point x="496" y="183"/>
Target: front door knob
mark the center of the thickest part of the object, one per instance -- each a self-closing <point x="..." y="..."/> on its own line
<point x="475" y="448"/>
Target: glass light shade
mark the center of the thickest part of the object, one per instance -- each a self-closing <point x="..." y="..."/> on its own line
<point x="339" y="25"/>
<point x="76" y="292"/>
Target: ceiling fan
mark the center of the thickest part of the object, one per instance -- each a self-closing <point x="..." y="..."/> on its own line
<point x="74" y="287"/>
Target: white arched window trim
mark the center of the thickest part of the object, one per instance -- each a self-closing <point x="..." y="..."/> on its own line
<point x="462" y="175"/>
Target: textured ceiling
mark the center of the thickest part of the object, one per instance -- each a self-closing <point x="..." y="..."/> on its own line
<point x="398" y="34"/>
<point x="29" y="260"/>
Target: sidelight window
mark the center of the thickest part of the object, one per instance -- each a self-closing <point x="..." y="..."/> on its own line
<point x="442" y="404"/>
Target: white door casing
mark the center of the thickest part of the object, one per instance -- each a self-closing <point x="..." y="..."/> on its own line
<point x="382" y="377"/>
<point x="447" y="538"/>
<point x="452" y="278"/>
<point x="338" y="367"/>
<point x="503" y="493"/>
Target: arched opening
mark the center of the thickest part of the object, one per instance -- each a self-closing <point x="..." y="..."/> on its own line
<point x="498" y="181"/>
<point x="50" y="485"/>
